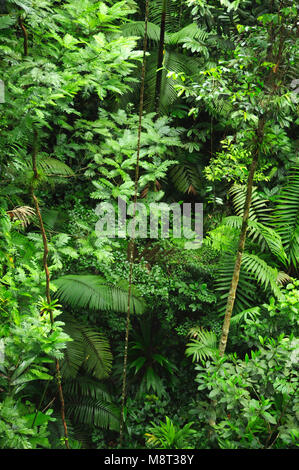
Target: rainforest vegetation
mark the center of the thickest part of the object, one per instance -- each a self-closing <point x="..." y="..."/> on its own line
<point x="149" y="342"/>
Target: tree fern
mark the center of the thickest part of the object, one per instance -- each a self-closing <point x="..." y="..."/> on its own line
<point x="93" y="292"/>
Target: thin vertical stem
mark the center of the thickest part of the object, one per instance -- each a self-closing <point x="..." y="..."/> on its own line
<point x="132" y="241"/>
<point x="160" y="57"/>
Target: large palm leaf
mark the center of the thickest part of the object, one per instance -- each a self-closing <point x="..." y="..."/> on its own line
<point x="89" y="350"/>
<point x="93" y="292"/>
<point x="254" y="270"/>
<point x="89" y="403"/>
<point x="266" y="237"/>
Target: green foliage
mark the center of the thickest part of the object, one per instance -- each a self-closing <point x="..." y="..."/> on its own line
<point x="166" y="435"/>
<point x="30" y="343"/>
<point x="89" y="350"/>
<point x="89" y="404"/>
<point x="231" y="164"/>
<point x="269" y="320"/>
<point x="254" y="401"/>
<point x="16" y="429"/>
<point x="116" y="159"/>
<point x="69" y="132"/>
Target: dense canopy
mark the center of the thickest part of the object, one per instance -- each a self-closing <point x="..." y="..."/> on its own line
<point x="149" y="224"/>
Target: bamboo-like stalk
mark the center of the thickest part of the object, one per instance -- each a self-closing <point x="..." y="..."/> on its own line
<point x="132" y="241"/>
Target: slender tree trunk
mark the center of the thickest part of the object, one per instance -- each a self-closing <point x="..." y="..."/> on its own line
<point x="47" y="273"/>
<point x="25" y="36"/>
<point x="160" y="57"/>
<point x="242" y="239"/>
<point x="272" y="81"/>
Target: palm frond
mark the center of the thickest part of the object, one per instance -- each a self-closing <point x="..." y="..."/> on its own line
<point x="286" y="217"/>
<point x="191" y="31"/>
<point x="93" y="292"/>
<point x="53" y="167"/>
<point x="173" y="61"/>
<point x="258" y="209"/>
<point x="265" y="275"/>
<point x="251" y="314"/>
<point x="245" y="288"/>
<point x="86" y="386"/>
<point x="172" y="20"/>
<point x="93" y="412"/>
<point x="185" y="177"/>
<point x="89" y="350"/>
<point x="265" y="236"/>
<point x="136" y="28"/>
<point x="203" y="346"/>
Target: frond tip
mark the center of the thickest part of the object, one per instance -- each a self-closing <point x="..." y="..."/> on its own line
<point x="24" y="214"/>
